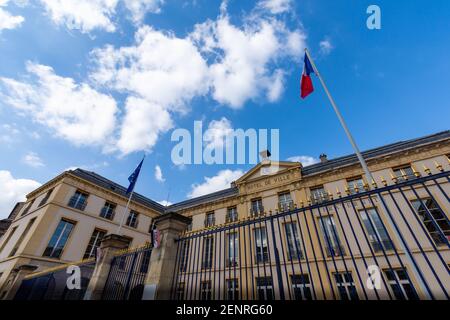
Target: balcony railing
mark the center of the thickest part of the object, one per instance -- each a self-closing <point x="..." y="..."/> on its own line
<point x="77" y="203"/>
<point x="286" y="206"/>
<point x="256" y="211"/>
<point x="319" y="198"/>
<point x="209" y="222"/>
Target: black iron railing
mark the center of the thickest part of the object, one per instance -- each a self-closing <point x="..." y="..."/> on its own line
<point x="336" y="264"/>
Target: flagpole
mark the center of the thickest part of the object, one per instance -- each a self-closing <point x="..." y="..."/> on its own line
<point x="368" y="174"/>
<point x="128" y="204"/>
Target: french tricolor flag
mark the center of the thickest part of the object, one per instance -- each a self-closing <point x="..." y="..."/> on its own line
<point x="306" y="85"/>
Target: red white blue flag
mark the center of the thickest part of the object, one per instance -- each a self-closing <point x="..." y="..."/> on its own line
<point x="306" y="85"/>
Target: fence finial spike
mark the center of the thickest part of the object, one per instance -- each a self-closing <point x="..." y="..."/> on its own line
<point x="394" y="178"/>
<point x="426" y="169"/>
<point x="438" y="166"/>
<point x="383" y="181"/>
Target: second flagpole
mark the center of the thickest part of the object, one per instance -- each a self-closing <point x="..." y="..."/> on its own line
<point x="404" y="247"/>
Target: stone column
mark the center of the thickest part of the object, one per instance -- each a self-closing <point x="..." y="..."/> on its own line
<point x="15" y="280"/>
<point x="110" y="244"/>
<point x="163" y="259"/>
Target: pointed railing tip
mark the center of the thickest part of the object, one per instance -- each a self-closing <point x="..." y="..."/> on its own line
<point x="426" y="169"/>
<point x="438" y="166"/>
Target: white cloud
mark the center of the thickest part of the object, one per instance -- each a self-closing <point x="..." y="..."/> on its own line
<point x="218" y="182"/>
<point x="74" y="111"/>
<point x="32" y="159"/>
<point x="217" y="132"/>
<point x="158" y="174"/>
<point x="276" y="6"/>
<point x="13" y="190"/>
<point x="165" y="203"/>
<point x="243" y="57"/>
<point x="7" y="20"/>
<point x="325" y="47"/>
<point x="305" y="160"/>
<point x="88" y="15"/>
<point x="8" y="133"/>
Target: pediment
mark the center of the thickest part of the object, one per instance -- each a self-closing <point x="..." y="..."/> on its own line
<point x="267" y="169"/>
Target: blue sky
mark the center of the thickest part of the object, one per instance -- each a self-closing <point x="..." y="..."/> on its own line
<point x="99" y="84"/>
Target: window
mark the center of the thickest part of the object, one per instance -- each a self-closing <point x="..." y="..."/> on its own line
<point x="264" y="287"/>
<point x="45" y="198"/>
<point x="346" y="286"/>
<point x="27" y="208"/>
<point x="404" y="173"/>
<point x="232" y="215"/>
<point x="301" y="287"/>
<point x="257" y="207"/>
<point x="374" y="228"/>
<point x="206" y="290"/>
<point x="232" y="249"/>
<point x="285" y="202"/>
<point x="184" y="255"/>
<point x="210" y="219"/>
<point x="132" y="220"/>
<point x="59" y="239"/>
<point x="78" y="200"/>
<point x="233" y="289"/>
<point x="262" y="250"/>
<point x="180" y="291"/>
<point x="189" y="227"/>
<point x="108" y="211"/>
<point x="355" y="185"/>
<point x="94" y="243"/>
<point x="400" y="285"/>
<point x="207" y="252"/>
<point x="440" y="228"/>
<point x="11" y="233"/>
<point x="22" y="236"/>
<point x="293" y="241"/>
<point x="318" y="195"/>
<point x="331" y="238"/>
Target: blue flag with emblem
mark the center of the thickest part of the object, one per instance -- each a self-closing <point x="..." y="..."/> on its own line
<point x="134" y="176"/>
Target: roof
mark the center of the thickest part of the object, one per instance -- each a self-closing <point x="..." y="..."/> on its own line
<point x="374" y="153"/>
<point x="116" y="188"/>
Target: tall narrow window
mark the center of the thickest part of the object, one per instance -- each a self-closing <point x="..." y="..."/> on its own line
<point x="22" y="236"/>
<point x="59" y="239"/>
<point x="206" y="290"/>
<point x="132" y="220"/>
<point x="184" y="255"/>
<point x="264" y="287"/>
<point x="94" y="243"/>
<point x="439" y="229"/>
<point x="6" y="240"/>
<point x="27" y="208"/>
<point x="400" y="285"/>
<point x="210" y="219"/>
<point x="108" y="211"/>
<point x="318" y="195"/>
<point x="293" y="241"/>
<point x="78" y="200"/>
<point x="330" y="237"/>
<point x="45" y="198"/>
<point x="256" y="207"/>
<point x="207" y="252"/>
<point x="262" y="250"/>
<point x="355" y="185"/>
<point x="232" y="215"/>
<point x="285" y="202"/>
<point x="378" y="235"/>
<point x="301" y="287"/>
<point x="232" y="249"/>
<point x="233" y="289"/>
<point x="346" y="286"/>
<point x="404" y="173"/>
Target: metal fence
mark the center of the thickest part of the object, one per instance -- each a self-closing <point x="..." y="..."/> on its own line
<point x="127" y="275"/>
<point x="53" y="285"/>
<point x="391" y="242"/>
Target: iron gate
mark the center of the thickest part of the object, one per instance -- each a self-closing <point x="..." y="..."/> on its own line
<point x="127" y="275"/>
<point x="326" y="249"/>
<point x="53" y="285"/>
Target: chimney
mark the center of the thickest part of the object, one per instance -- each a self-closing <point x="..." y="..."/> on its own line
<point x="323" y="158"/>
